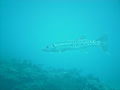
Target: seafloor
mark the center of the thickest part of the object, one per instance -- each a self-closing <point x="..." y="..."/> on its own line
<point x="23" y="75"/>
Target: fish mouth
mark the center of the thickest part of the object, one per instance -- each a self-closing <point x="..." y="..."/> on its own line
<point x="49" y="50"/>
<point x="44" y="49"/>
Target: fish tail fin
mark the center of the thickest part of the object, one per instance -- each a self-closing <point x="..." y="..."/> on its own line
<point x="103" y="43"/>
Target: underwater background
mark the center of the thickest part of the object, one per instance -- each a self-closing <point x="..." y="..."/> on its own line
<point x="27" y="26"/>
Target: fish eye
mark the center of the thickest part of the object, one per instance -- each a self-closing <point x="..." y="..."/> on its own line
<point x="53" y="45"/>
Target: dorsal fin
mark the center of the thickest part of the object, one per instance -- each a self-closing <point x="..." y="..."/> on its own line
<point x="102" y="39"/>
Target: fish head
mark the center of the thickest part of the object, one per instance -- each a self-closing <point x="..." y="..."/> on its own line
<point x="50" y="48"/>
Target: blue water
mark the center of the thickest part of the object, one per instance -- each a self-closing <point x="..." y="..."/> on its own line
<point x="27" y="26"/>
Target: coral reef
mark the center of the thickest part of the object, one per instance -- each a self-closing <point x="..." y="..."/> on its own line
<point x="23" y="75"/>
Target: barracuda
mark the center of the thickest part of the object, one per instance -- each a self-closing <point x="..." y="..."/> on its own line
<point x="80" y="44"/>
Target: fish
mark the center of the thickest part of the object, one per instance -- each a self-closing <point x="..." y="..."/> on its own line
<point x="78" y="44"/>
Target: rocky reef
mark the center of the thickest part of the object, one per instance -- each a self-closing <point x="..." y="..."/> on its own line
<point x="23" y="75"/>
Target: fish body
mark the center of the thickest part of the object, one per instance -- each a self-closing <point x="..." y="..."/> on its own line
<point x="79" y="44"/>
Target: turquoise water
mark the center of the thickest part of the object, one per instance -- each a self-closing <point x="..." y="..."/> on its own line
<point x="27" y="26"/>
